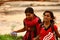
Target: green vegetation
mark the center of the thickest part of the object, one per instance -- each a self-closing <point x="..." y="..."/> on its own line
<point x="9" y="37"/>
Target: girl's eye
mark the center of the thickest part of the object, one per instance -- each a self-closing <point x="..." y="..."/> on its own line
<point x="47" y="15"/>
<point x="27" y="14"/>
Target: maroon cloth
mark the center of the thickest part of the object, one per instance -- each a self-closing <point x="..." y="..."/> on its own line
<point x="32" y="28"/>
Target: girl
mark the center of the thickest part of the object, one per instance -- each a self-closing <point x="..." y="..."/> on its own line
<point x="31" y="24"/>
<point x="48" y="30"/>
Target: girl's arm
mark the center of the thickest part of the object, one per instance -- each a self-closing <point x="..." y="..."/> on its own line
<point x="21" y="30"/>
<point x="14" y="33"/>
<point x="57" y="33"/>
<point x="36" y="38"/>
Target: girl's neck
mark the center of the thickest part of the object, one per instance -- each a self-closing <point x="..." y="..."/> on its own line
<point x="46" y="24"/>
<point x="32" y="18"/>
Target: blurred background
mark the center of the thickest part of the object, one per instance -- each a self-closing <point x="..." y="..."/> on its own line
<point x="12" y="13"/>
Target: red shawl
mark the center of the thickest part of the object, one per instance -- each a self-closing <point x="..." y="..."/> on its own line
<point x="32" y="28"/>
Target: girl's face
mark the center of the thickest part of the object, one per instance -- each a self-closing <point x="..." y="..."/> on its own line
<point x="47" y="17"/>
<point x="29" y="16"/>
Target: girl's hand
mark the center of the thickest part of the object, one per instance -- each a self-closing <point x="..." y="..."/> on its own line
<point x="34" y="38"/>
<point x="14" y="34"/>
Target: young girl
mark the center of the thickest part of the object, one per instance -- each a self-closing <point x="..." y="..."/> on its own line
<point x="48" y="30"/>
<point x="31" y="24"/>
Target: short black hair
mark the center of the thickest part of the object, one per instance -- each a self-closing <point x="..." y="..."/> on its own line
<point x="29" y="10"/>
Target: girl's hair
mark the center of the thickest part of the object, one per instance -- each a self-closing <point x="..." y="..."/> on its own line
<point x="29" y="10"/>
<point x="52" y="16"/>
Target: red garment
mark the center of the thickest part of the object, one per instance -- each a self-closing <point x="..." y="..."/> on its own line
<point x="47" y="34"/>
<point x="32" y="28"/>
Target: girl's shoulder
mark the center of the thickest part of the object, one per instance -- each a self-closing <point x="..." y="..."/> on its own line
<point x="39" y="20"/>
<point x="25" y="19"/>
<point x="55" y="27"/>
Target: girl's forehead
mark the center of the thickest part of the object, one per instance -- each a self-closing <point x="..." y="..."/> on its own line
<point x="47" y="13"/>
<point x="29" y="13"/>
